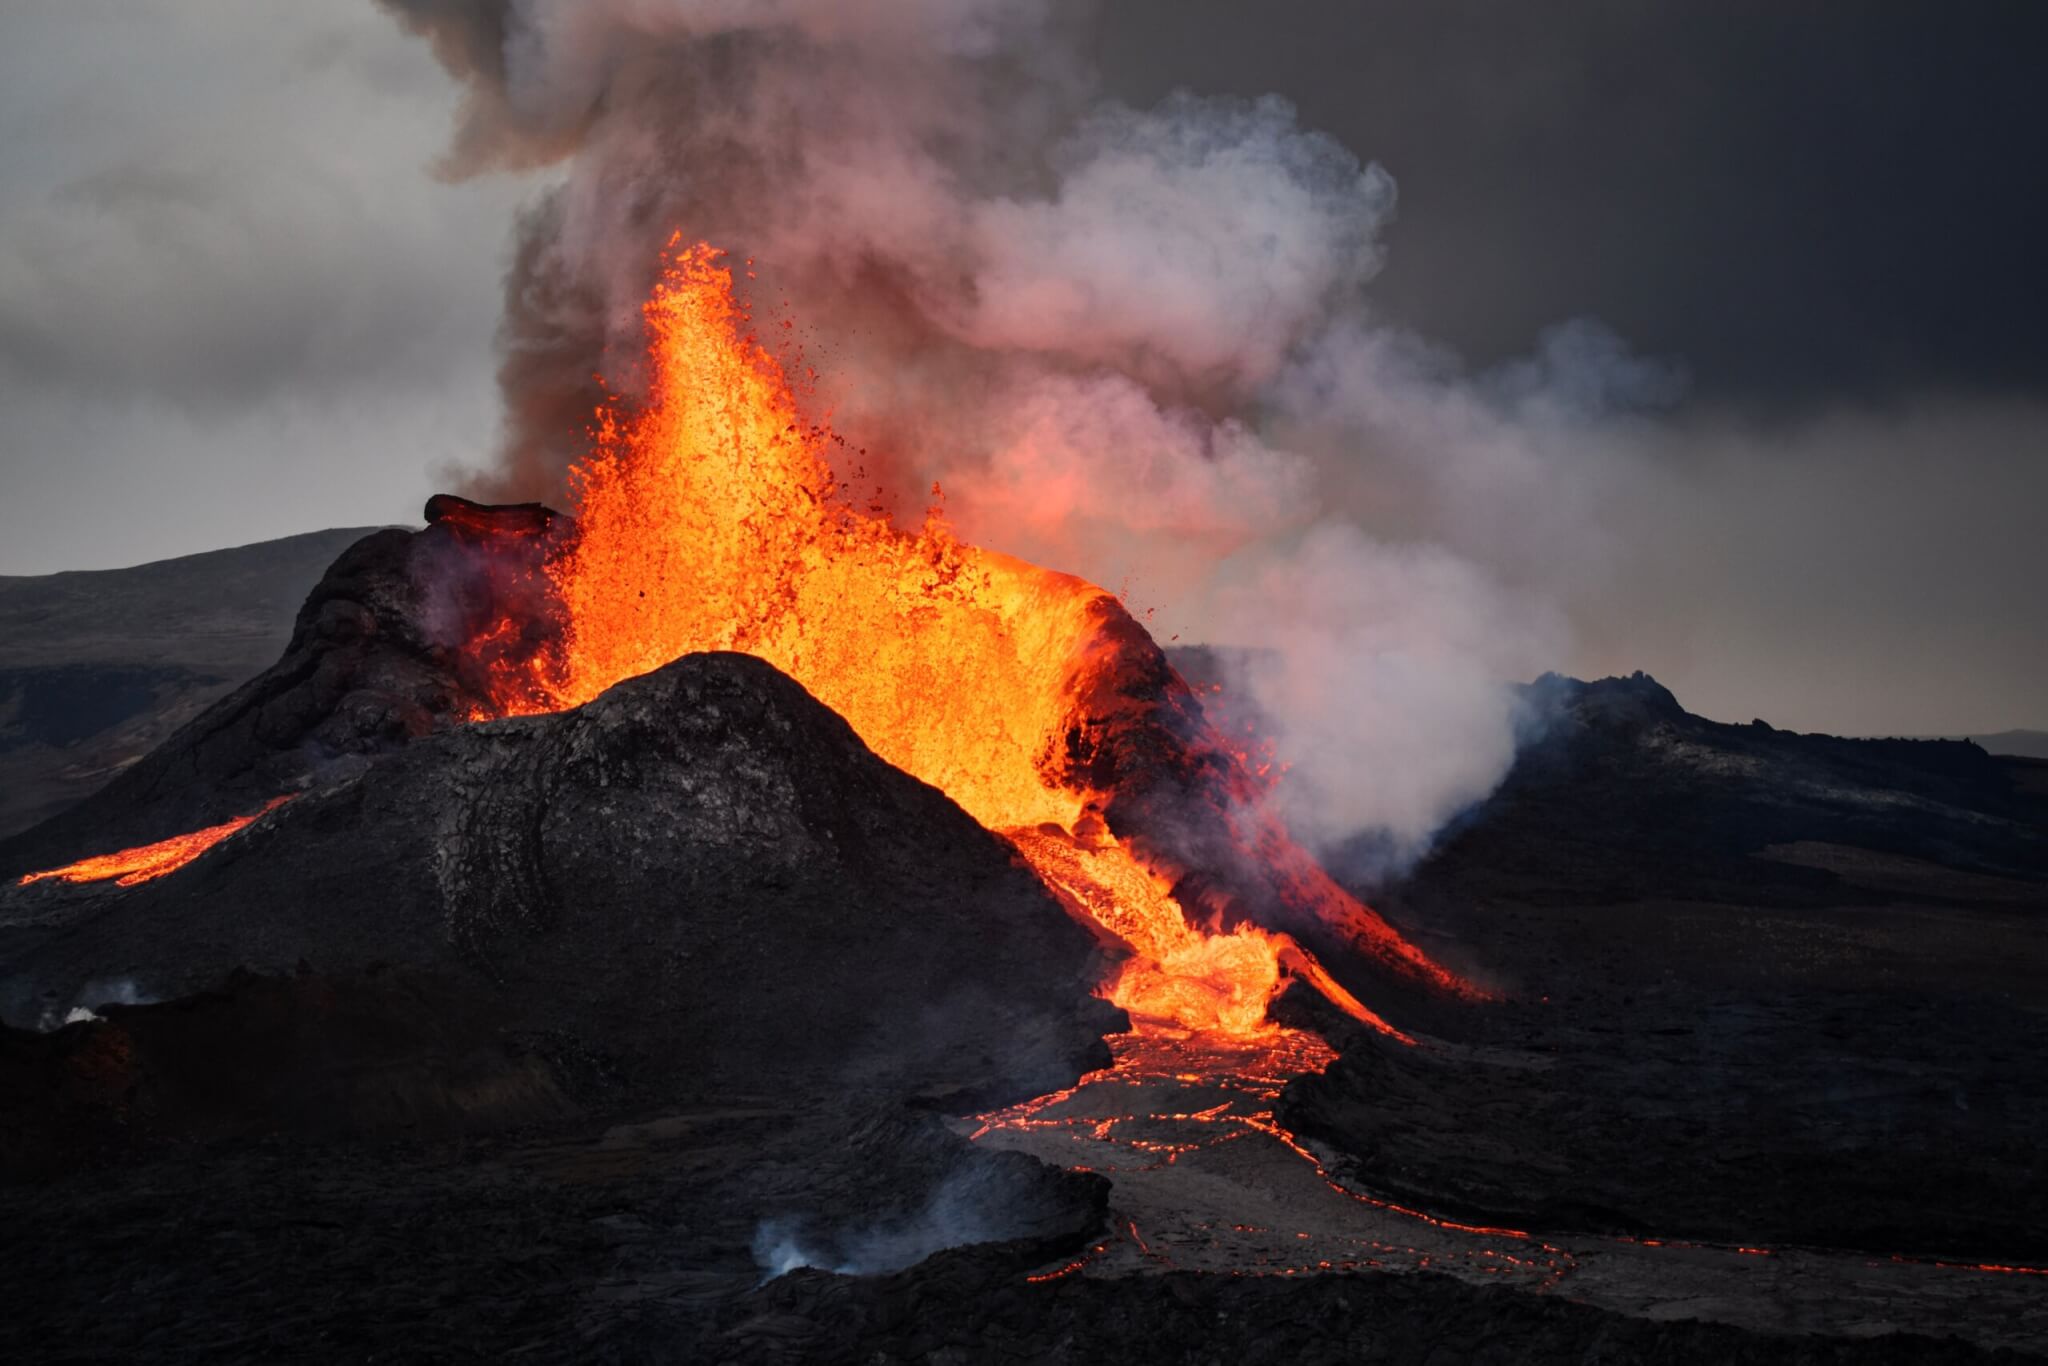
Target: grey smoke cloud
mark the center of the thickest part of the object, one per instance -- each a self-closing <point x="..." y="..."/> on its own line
<point x="1192" y="240"/>
<point x="1133" y="342"/>
<point x="1130" y="340"/>
<point x="949" y="211"/>
<point x="223" y="315"/>
<point x="249" y="280"/>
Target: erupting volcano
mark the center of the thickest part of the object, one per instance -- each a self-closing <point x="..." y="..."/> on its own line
<point x="709" y="518"/>
<point x="978" y="548"/>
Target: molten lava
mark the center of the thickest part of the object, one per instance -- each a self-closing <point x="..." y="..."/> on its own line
<point x="140" y="864"/>
<point x="709" y="518"/>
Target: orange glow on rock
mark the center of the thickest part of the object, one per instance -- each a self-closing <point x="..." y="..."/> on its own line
<point x="709" y="518"/>
<point x="146" y="861"/>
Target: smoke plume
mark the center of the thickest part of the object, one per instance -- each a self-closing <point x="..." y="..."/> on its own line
<point x="960" y="1210"/>
<point x="1130" y="343"/>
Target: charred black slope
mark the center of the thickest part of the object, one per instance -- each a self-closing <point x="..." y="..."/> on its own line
<point x="397" y="641"/>
<point x="371" y="664"/>
<point x="1764" y="987"/>
<point x="703" y="875"/>
<point x="1892" y="1123"/>
<point x="698" y="902"/>
<point x="375" y="659"/>
<point x="1623" y="793"/>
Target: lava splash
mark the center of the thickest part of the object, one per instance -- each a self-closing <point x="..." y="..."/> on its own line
<point x="708" y="517"/>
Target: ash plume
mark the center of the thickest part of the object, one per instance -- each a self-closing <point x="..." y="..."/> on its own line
<point x="1130" y="343"/>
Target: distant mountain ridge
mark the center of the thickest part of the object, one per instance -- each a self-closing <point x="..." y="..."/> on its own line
<point x="2017" y="744"/>
<point x="98" y="666"/>
<point x="1620" y="794"/>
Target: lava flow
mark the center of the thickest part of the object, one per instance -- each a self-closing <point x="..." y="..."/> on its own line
<point x="708" y="518"/>
<point x="127" y="867"/>
<point x="1205" y="1177"/>
<point x="1185" y="1125"/>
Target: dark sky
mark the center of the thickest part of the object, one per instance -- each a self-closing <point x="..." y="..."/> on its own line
<point x="235" y="301"/>
<point x="1806" y="202"/>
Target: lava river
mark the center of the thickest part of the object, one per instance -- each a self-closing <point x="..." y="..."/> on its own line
<point x="1204" y="1178"/>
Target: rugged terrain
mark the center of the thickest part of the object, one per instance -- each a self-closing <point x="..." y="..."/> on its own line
<point x="558" y="1036"/>
<point x="1760" y="986"/>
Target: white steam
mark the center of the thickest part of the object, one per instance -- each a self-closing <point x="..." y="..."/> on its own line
<point x="957" y="1213"/>
<point x="1382" y="665"/>
<point x="1197" y="238"/>
<point x="86" y="1003"/>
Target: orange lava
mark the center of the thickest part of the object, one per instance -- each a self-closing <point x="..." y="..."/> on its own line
<point x="1257" y="1068"/>
<point x="1171" y="1098"/>
<point x="1152" y="1064"/>
<point x="709" y="518"/>
<point x="147" y="861"/>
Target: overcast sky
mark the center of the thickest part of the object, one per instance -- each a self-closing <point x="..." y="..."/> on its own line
<point x="236" y="303"/>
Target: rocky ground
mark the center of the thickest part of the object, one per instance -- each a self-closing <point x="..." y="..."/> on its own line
<point x="551" y="1244"/>
<point x="646" y="1241"/>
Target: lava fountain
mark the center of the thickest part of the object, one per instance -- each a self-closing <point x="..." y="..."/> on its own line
<point x="709" y="518"/>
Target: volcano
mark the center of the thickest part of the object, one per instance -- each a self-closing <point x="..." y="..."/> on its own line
<point x="702" y="875"/>
<point x="757" y="930"/>
<point x="709" y="520"/>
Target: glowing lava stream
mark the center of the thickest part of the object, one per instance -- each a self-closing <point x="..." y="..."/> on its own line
<point x="1234" y="1084"/>
<point x="127" y="867"/>
<point x="1205" y="1178"/>
<point x="708" y="518"/>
